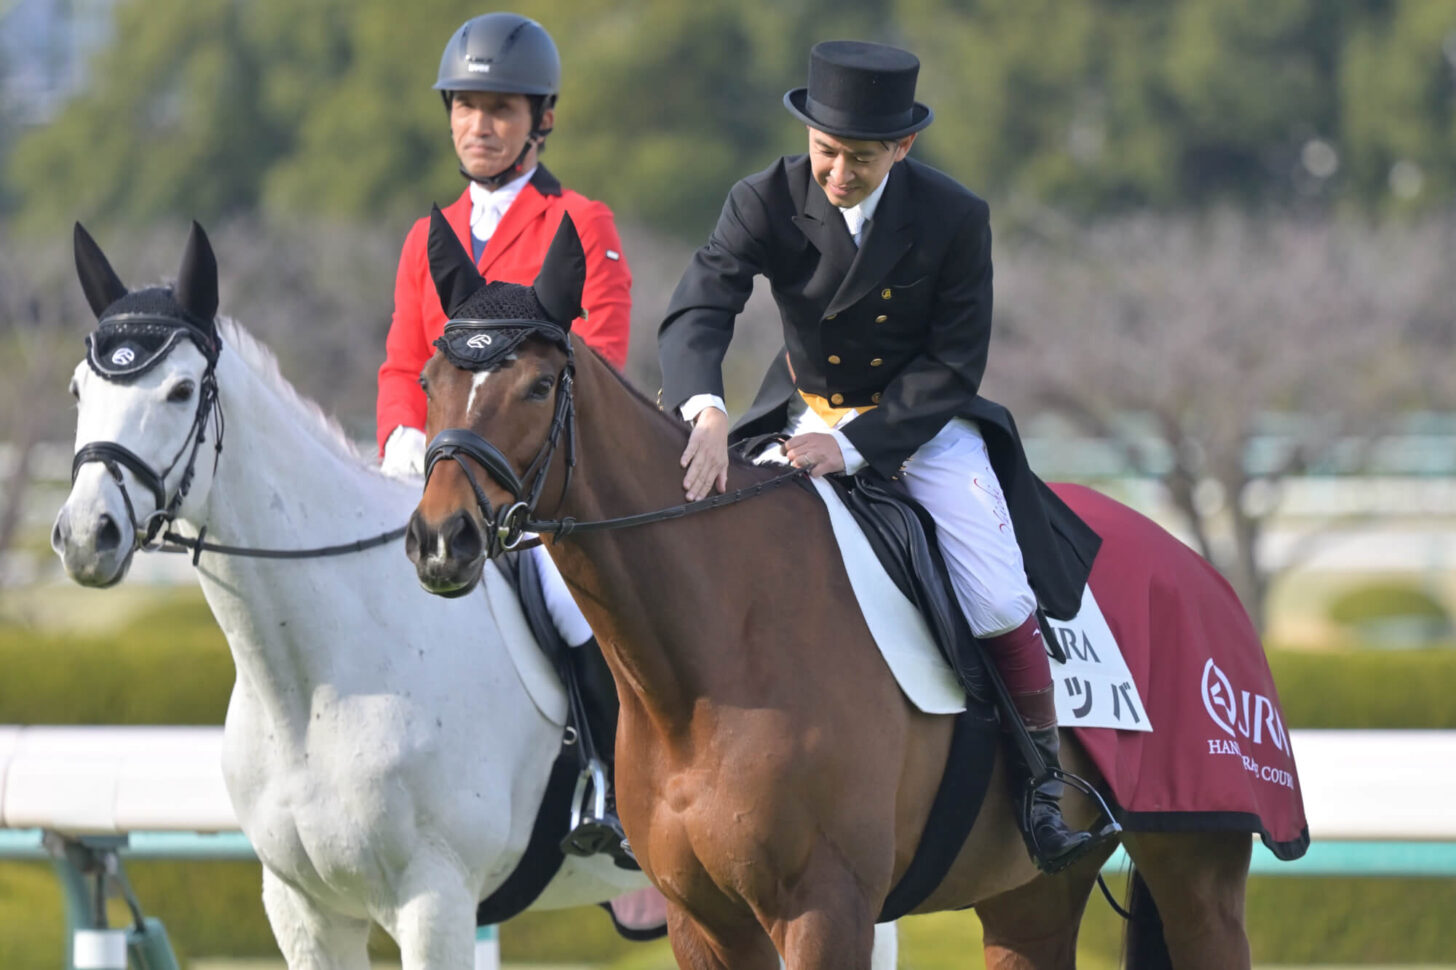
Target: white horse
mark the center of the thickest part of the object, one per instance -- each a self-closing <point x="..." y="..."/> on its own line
<point x="385" y="750"/>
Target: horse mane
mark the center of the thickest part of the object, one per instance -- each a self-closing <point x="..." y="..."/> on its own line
<point x="678" y="427"/>
<point x="263" y="363"/>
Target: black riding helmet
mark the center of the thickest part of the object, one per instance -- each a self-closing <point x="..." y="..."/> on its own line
<point x="503" y="52"/>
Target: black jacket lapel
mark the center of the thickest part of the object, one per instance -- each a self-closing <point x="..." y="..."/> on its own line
<point x="824" y="226"/>
<point x="887" y="238"/>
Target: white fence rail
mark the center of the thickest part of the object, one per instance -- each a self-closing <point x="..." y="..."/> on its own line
<point x="1358" y="785"/>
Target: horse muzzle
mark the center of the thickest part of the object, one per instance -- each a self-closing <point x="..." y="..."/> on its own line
<point x="448" y="557"/>
<point x="95" y="545"/>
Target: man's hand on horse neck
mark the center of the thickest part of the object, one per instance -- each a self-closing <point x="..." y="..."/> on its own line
<point x="816" y="451"/>
<point x="706" y="457"/>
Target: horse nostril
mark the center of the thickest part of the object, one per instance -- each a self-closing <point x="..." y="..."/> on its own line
<point x="60" y="532"/>
<point x="416" y="537"/>
<point x="108" y="534"/>
<point x="463" y="539"/>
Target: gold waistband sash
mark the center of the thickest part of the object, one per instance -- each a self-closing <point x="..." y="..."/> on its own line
<point x="832" y="415"/>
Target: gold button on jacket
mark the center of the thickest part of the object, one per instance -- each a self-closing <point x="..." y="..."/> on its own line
<point x="833" y="358"/>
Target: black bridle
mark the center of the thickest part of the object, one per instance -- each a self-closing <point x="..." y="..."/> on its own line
<point x="116" y="457"/>
<point x="145" y="532"/>
<point x="507" y="526"/>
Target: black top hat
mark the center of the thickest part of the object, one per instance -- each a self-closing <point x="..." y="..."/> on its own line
<point x="860" y="90"/>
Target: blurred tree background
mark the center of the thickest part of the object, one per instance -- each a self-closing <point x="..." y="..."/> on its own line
<point x="1315" y="139"/>
<point x="214" y="108"/>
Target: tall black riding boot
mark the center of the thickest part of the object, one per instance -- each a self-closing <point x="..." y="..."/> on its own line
<point x="1053" y="845"/>
<point x="1021" y="660"/>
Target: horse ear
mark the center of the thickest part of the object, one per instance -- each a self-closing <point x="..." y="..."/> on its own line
<point x="98" y="280"/>
<point x="456" y="278"/>
<point x="197" y="279"/>
<point x="563" y="274"/>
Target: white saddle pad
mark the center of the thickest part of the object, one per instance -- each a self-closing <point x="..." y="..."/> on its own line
<point x="899" y="629"/>
<point x="1095" y="663"/>
<point x="539" y="679"/>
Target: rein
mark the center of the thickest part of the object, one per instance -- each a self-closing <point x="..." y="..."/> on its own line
<point x="509" y="524"/>
<point x="197" y="547"/>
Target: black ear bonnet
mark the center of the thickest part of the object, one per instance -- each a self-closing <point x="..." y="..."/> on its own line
<point x="139" y="330"/>
<point x="136" y="330"/>
<point x="488" y="321"/>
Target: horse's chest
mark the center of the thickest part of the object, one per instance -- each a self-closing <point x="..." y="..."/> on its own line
<point x="338" y="793"/>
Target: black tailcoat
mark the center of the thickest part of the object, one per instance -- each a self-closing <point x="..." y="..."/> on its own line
<point x="903" y="322"/>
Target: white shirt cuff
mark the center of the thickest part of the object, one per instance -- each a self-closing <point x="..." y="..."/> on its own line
<point x="853" y="460"/>
<point x="696" y="404"/>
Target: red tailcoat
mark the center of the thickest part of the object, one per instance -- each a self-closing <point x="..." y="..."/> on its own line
<point x="513" y="255"/>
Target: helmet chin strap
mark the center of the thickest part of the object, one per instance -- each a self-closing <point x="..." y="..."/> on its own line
<point x="514" y="169"/>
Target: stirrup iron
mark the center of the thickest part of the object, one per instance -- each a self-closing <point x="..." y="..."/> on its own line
<point x="595" y="830"/>
<point x="1102" y="829"/>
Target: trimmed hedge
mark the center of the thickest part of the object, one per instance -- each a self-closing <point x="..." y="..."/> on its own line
<point x="172" y="666"/>
<point x="1366" y="688"/>
<point x="1381" y="601"/>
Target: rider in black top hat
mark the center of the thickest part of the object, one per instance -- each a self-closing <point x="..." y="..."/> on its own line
<point x="881" y="268"/>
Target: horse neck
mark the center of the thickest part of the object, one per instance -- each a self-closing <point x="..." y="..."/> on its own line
<point x="645" y="591"/>
<point x="279" y="484"/>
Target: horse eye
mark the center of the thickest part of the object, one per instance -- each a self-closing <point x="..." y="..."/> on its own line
<point x="181" y="394"/>
<point x="541" y="388"/>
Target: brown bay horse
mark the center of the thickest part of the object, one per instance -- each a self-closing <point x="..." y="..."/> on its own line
<point x="772" y="778"/>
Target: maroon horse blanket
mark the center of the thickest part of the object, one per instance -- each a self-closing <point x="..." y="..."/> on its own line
<point x="1218" y="757"/>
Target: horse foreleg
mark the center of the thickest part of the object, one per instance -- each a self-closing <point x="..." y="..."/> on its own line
<point x="1197" y="881"/>
<point x="309" y="937"/>
<point x="696" y="948"/>
<point x="1034" y="927"/>
<point x="435" y="923"/>
<point x="827" y="922"/>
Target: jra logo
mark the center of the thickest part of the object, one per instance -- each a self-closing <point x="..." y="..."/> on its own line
<point x="1242" y="714"/>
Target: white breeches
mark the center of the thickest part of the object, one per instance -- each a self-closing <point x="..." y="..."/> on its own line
<point x="564" y="612"/>
<point x="951" y="476"/>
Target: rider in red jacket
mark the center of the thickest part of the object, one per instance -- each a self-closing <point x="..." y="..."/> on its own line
<point x="499" y="77"/>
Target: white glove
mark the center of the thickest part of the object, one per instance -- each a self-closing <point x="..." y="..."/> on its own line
<point x="404" y="453"/>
